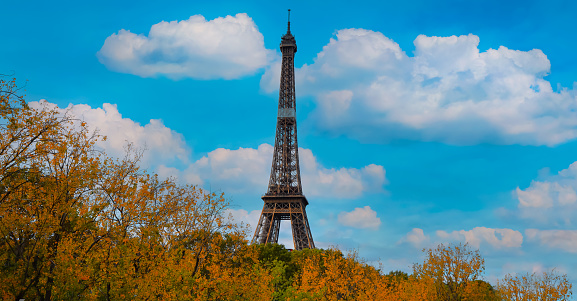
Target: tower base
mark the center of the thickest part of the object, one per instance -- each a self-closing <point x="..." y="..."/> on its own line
<point x="277" y="208"/>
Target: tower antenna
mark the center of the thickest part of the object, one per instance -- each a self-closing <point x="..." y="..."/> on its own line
<point x="289" y="20"/>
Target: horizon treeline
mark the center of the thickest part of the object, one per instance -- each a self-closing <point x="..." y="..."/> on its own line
<point x="76" y="224"/>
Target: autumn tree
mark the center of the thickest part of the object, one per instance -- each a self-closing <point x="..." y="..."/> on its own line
<point x="233" y="274"/>
<point x="32" y="220"/>
<point x="546" y="286"/>
<point x="76" y="224"/>
<point x="398" y="285"/>
<point x="454" y="270"/>
<point x="332" y="275"/>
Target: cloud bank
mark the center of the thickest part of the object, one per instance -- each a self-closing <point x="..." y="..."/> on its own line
<point x="247" y="170"/>
<point x="160" y="143"/>
<point x="565" y="240"/>
<point x="551" y="201"/>
<point x="244" y="170"/>
<point x="366" y="87"/>
<point x="476" y="237"/>
<point x="228" y="48"/>
<point x="497" y="238"/>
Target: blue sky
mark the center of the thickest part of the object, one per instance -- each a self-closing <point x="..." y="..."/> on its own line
<point x="420" y="122"/>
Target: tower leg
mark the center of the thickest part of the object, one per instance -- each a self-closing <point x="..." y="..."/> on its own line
<point x="302" y="236"/>
<point x="268" y="228"/>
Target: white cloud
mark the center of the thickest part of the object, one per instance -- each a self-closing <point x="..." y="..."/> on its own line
<point x="339" y="183"/>
<point x="556" y="239"/>
<point x="239" y="216"/>
<point x="244" y="170"/>
<point x="366" y="87"/>
<point x="553" y="200"/>
<point x="497" y="238"/>
<point x="417" y="238"/>
<point x="360" y="218"/>
<point x="247" y="170"/>
<point x="161" y="144"/>
<point x="228" y="48"/>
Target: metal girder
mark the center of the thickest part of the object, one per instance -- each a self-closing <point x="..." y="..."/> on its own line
<point x="290" y="208"/>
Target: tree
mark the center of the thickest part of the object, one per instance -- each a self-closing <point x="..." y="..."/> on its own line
<point x="480" y="290"/>
<point x="454" y="270"/>
<point x="279" y="261"/>
<point x="77" y="224"/>
<point x="232" y="272"/>
<point x="332" y="275"/>
<point x="413" y="289"/>
<point x="546" y="286"/>
<point x="43" y="163"/>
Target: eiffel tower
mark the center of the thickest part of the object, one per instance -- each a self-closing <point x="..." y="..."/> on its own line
<point x="284" y="199"/>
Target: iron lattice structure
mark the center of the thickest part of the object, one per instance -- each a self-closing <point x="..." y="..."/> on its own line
<point x="284" y="199"/>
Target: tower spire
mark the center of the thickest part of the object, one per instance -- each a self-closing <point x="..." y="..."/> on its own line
<point x="289" y="21"/>
<point x="284" y="199"/>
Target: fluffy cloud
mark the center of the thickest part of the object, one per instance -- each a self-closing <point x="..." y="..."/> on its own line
<point x="360" y="218"/>
<point x="161" y="143"/>
<point x="241" y="216"/>
<point x="246" y="170"/>
<point x="497" y="238"/>
<point x="553" y="200"/>
<point x="556" y="239"/>
<point x="478" y="236"/>
<point x="366" y="87"/>
<point x="228" y="48"/>
<point x="417" y="238"/>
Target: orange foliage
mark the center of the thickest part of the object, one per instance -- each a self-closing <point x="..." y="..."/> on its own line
<point x="76" y="224"/>
<point x="548" y="286"/>
<point x="452" y="270"/>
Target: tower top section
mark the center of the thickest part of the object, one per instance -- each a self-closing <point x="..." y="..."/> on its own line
<point x="288" y="40"/>
<point x="289" y="21"/>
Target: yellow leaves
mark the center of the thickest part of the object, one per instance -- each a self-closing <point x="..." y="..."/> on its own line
<point x="76" y="224"/>
<point x="231" y="276"/>
<point x="91" y="226"/>
<point x="451" y="268"/>
<point x="330" y="275"/>
<point x="546" y="286"/>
